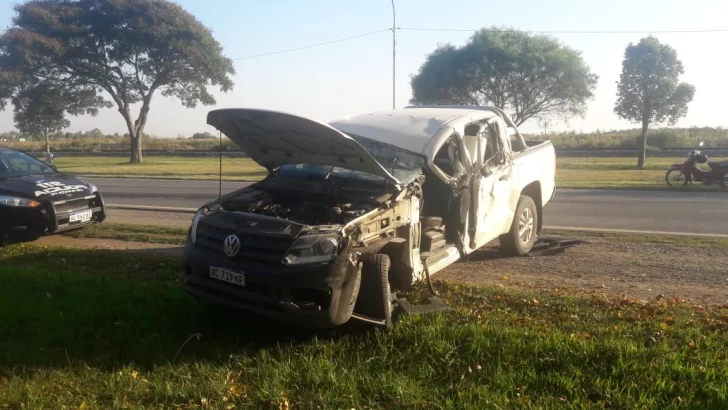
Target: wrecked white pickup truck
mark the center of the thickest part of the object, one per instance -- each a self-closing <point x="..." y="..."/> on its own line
<point x="354" y="211"/>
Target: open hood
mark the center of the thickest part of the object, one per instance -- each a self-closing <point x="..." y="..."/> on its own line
<point x="273" y="139"/>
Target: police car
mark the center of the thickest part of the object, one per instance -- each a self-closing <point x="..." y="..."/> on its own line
<point x="36" y="199"/>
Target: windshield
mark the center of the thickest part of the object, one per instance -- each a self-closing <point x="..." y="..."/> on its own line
<point x="402" y="164"/>
<point x="340" y="177"/>
<point x="18" y="164"/>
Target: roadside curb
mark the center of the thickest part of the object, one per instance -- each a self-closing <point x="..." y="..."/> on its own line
<point x="151" y="208"/>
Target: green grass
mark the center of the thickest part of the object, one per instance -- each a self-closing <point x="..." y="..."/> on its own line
<point x="101" y="329"/>
<point x="163" y="167"/>
<point x="617" y="173"/>
<point x="132" y="233"/>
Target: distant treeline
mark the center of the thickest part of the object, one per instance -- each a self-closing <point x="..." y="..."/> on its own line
<point x="657" y="139"/>
<point x="95" y="140"/>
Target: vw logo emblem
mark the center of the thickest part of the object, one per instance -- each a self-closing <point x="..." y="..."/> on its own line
<point x="231" y="246"/>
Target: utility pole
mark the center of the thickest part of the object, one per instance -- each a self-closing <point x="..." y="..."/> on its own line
<point x="394" y="55"/>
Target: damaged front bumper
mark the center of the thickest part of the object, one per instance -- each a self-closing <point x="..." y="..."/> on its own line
<point x="319" y="295"/>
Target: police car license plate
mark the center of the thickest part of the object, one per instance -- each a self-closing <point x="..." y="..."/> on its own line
<point x="227" y="275"/>
<point x="84" y="216"/>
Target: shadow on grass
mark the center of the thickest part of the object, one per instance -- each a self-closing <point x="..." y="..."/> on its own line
<point x="59" y="306"/>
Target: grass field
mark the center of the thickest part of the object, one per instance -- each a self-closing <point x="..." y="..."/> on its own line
<point x="615" y="173"/>
<point x="102" y="329"/>
<point x="571" y="172"/>
<point x="163" y="167"/>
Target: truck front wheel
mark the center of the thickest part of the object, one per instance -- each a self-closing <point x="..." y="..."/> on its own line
<point x="375" y="297"/>
<point x="520" y="239"/>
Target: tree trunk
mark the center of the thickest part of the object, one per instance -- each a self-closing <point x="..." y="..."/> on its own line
<point x="47" y="141"/>
<point x="135" y="140"/>
<point x="643" y="145"/>
<point x="136" y="150"/>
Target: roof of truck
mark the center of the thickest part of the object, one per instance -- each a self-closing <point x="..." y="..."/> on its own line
<point x="411" y="128"/>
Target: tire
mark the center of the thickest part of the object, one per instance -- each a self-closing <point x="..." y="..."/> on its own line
<point x="675" y="173"/>
<point x="520" y="239"/>
<point x="375" y="295"/>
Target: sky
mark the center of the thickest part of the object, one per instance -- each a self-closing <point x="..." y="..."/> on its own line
<point x="355" y="76"/>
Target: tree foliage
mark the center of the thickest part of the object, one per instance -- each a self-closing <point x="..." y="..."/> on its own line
<point x="533" y="76"/>
<point x="202" y="136"/>
<point x="123" y="51"/>
<point x="41" y="110"/>
<point x="649" y="90"/>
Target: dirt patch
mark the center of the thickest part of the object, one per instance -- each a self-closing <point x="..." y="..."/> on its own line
<point x="124" y="216"/>
<point x="645" y="271"/>
<point x="113" y="244"/>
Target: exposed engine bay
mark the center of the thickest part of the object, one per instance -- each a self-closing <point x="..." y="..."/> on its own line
<point x="308" y="208"/>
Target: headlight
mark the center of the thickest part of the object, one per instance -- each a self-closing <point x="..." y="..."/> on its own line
<point x="312" y="249"/>
<point x="195" y="220"/>
<point x="19" y="202"/>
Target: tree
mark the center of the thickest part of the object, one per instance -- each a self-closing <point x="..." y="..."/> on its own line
<point x="202" y="136"/>
<point x="41" y="110"/>
<point x="534" y="76"/>
<point x="40" y="113"/>
<point x="124" y="51"/>
<point x="648" y="90"/>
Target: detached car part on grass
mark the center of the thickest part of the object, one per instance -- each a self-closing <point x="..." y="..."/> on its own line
<point x="355" y="211"/>
<point x="36" y="200"/>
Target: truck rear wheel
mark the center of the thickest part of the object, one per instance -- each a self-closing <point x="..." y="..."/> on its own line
<point x="520" y="239"/>
<point x="375" y="295"/>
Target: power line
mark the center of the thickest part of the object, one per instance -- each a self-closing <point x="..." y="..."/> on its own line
<point x="313" y="45"/>
<point x="457" y="30"/>
<point x="568" y="31"/>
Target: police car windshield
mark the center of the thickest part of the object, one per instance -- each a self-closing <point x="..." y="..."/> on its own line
<point x="17" y="164"/>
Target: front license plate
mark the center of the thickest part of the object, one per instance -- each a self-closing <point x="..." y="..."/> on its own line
<point x="227" y="276"/>
<point x="84" y="216"/>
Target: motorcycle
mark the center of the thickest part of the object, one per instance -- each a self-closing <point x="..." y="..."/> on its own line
<point x="680" y="174"/>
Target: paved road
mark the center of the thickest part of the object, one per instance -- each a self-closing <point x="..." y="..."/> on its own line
<point x="691" y="212"/>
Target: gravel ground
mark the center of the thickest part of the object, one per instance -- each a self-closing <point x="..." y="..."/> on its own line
<point x="644" y="271"/>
